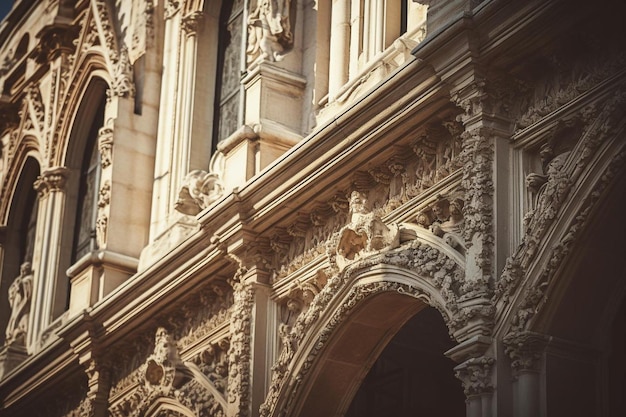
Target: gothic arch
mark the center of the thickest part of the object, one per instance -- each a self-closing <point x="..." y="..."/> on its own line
<point x="82" y="101"/>
<point x="577" y="187"/>
<point x="28" y="147"/>
<point x="17" y="234"/>
<point x="370" y="299"/>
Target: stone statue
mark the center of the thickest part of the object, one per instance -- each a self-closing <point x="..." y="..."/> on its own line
<point x="20" y="293"/>
<point x="269" y="30"/>
<point x="199" y="190"/>
<point x="455" y="222"/>
<point x="365" y="233"/>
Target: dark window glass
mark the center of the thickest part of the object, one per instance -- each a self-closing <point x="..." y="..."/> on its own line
<point x="87" y="210"/>
<point x="227" y="101"/>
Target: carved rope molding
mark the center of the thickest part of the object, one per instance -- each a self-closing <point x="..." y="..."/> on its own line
<point x="440" y="270"/>
<point x="561" y="180"/>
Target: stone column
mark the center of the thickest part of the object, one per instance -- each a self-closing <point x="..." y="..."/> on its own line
<point x="339" y="47"/>
<point x="525" y="349"/>
<point x="50" y="283"/>
<point x="476" y="376"/>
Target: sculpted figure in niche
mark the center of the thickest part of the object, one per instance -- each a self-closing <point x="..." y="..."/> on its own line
<point x="269" y="30"/>
<point x="20" y="293"/>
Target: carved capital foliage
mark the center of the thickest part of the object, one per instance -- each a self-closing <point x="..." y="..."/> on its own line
<point x="199" y="190"/>
<point x="51" y="180"/>
<point x="476" y="376"/>
<point x="525" y="349"/>
<point x="190" y="22"/>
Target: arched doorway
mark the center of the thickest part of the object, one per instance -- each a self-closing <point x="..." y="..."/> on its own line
<point x="412" y="377"/>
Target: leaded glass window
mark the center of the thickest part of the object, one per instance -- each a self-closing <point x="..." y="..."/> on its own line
<point x="230" y="58"/>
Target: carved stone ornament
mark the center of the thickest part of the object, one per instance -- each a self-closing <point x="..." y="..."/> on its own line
<point x="54" y="39"/>
<point x="441" y="271"/>
<point x="269" y="31"/>
<point x="51" y="180"/>
<point x="20" y="293"/>
<point x="239" y="354"/>
<point x="365" y="234"/>
<point x="562" y="172"/>
<point x="475" y="375"/>
<point x="165" y="375"/>
<point x="525" y="349"/>
<point x="199" y="190"/>
<point x="105" y="146"/>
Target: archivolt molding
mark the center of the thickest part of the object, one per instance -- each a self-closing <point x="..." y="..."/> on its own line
<point x="564" y="173"/>
<point x="434" y="274"/>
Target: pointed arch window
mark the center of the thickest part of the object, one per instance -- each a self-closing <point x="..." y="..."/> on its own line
<point x="19" y="239"/>
<point x="87" y="209"/>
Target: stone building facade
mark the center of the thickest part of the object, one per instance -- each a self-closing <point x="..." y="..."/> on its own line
<point x="327" y="208"/>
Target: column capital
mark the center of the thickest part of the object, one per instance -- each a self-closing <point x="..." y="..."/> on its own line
<point x="190" y="22"/>
<point x="52" y="179"/>
<point x="475" y="375"/>
<point x="525" y="350"/>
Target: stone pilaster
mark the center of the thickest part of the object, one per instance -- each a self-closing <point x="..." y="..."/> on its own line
<point x="50" y="283"/>
<point x="249" y="359"/>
